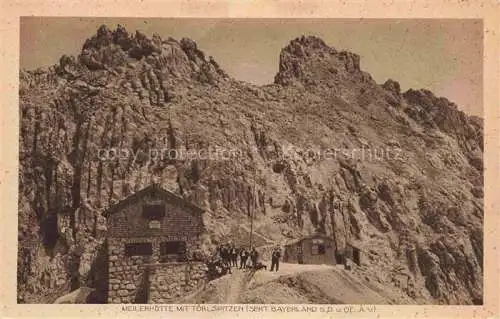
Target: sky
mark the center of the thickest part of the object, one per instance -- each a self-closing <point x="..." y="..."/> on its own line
<point x="442" y="55"/>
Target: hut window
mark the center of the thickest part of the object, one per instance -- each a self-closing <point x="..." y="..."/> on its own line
<point x="153" y="210"/>
<point x="318" y="247"/>
<point x="172" y="251"/>
<point x="139" y="249"/>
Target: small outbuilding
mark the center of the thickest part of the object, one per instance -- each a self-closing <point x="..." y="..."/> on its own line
<point x="314" y="249"/>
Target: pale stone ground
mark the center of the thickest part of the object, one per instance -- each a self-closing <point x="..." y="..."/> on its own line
<point x="295" y="283"/>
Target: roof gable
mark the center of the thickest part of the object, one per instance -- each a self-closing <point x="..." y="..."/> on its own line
<point x="172" y="198"/>
<point x="312" y="236"/>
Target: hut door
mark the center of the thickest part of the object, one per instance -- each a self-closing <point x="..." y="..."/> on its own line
<point x="300" y="254"/>
<point x="355" y="256"/>
<point x="339" y="258"/>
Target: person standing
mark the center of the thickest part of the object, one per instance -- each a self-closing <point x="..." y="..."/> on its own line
<point x="234" y="256"/>
<point x="224" y="255"/>
<point x="254" y="256"/>
<point x="275" y="259"/>
<point x="243" y="258"/>
<point x="227" y="258"/>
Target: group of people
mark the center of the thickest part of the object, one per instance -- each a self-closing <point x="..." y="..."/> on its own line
<point x="230" y="255"/>
<point x="248" y="259"/>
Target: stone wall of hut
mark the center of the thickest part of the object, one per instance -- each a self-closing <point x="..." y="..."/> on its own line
<point x="170" y="282"/>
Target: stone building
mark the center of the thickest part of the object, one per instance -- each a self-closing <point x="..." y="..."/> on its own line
<point x="153" y="248"/>
<point x="314" y="249"/>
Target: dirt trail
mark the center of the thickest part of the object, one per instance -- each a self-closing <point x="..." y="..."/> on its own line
<point x="237" y="283"/>
<point x="295" y="283"/>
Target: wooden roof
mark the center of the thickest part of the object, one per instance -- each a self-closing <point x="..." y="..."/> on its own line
<point x="173" y="198"/>
<point x="298" y="240"/>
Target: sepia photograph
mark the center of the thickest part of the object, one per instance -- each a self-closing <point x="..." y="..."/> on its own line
<point x="250" y="161"/>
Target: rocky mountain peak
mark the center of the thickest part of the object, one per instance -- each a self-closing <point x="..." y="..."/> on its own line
<point x="115" y="49"/>
<point x="392" y="86"/>
<point x="309" y="60"/>
<point x="122" y="39"/>
<point x="309" y="43"/>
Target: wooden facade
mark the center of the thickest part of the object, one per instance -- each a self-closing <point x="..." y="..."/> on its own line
<point x="315" y="249"/>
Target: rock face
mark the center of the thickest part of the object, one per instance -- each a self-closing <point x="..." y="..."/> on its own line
<point x="323" y="149"/>
<point x="310" y="61"/>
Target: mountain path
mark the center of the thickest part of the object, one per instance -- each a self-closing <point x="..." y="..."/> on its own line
<point x="237" y="283"/>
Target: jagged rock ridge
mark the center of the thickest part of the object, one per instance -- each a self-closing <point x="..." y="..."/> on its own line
<point x="416" y="213"/>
